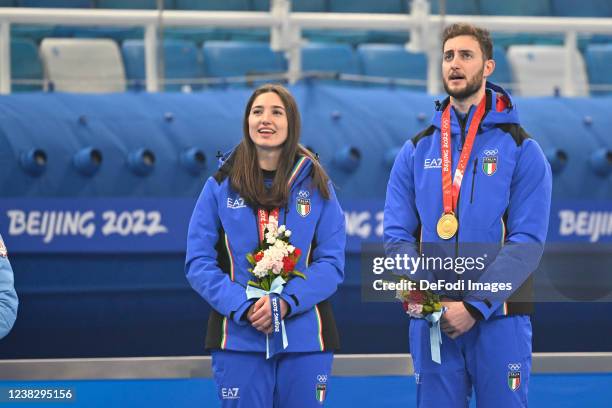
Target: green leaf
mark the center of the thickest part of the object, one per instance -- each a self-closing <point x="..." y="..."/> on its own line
<point x="298" y="273"/>
<point x="251" y="260"/>
<point x="255" y="284"/>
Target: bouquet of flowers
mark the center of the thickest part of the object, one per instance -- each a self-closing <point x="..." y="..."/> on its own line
<point x="273" y="264"/>
<point x="419" y="303"/>
<point x="274" y="257"/>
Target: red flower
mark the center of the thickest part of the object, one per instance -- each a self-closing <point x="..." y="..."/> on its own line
<point x="405" y="306"/>
<point x="416" y="296"/>
<point x="297" y="252"/>
<point x="259" y="256"/>
<point x="288" y="264"/>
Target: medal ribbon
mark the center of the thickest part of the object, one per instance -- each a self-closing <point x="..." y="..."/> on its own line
<point x="262" y="220"/>
<point x="450" y="191"/>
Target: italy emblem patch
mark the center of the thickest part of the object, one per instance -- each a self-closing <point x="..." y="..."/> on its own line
<point x="321" y="392"/>
<point x="514" y="380"/>
<point x="303" y="203"/>
<point x="489" y="165"/>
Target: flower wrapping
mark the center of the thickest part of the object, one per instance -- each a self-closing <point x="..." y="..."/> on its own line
<point x="420" y="304"/>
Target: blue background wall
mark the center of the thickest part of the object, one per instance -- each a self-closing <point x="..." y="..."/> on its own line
<point x="86" y="298"/>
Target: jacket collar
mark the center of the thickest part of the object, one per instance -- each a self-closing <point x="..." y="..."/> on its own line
<point x="499" y="110"/>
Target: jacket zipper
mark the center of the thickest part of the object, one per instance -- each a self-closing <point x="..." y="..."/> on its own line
<point x="473" y="179"/>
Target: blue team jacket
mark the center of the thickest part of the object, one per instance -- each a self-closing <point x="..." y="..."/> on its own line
<point x="223" y="229"/>
<point x="8" y="296"/>
<point x="504" y="197"/>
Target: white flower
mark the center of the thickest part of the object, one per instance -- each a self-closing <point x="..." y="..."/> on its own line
<point x="288" y="233"/>
<point x="415" y="310"/>
<point x="271" y="240"/>
<point x="290" y="248"/>
<point x="281" y="229"/>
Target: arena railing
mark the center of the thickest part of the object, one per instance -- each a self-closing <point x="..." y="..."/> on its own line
<point x="286" y="31"/>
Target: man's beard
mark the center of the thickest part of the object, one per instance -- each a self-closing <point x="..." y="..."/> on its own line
<point x="473" y="85"/>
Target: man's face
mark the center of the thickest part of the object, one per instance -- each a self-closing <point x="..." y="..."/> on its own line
<point x="463" y="67"/>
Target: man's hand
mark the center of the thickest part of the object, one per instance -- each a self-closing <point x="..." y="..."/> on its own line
<point x="456" y="320"/>
<point x="260" y="314"/>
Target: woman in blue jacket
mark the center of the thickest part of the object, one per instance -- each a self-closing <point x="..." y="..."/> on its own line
<point x="268" y="173"/>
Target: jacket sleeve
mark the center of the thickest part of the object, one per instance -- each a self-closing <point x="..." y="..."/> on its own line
<point x="528" y="216"/>
<point x="201" y="265"/>
<point x="401" y="219"/>
<point x="8" y="297"/>
<point x="326" y="271"/>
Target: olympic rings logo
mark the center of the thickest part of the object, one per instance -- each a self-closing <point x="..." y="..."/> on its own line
<point x="303" y="194"/>
<point x="322" y="378"/>
<point x="491" y="152"/>
<point x="514" y="367"/>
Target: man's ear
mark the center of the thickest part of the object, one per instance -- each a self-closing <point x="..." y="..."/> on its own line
<point x="489" y="67"/>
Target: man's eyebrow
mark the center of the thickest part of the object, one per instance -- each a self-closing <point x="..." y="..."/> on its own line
<point x="459" y="50"/>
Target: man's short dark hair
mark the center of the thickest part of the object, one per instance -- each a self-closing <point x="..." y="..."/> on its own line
<point x="481" y="35"/>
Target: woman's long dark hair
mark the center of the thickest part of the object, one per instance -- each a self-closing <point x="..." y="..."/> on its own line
<point x="247" y="177"/>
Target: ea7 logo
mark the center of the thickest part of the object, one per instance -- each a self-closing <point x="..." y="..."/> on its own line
<point x="230" y="393"/>
<point x="235" y="204"/>
<point x="433" y="163"/>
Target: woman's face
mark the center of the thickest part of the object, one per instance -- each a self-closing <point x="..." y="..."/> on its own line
<point x="268" y="121"/>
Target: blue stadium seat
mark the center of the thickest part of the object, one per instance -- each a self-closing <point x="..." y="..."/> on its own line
<point x="118" y="34"/>
<point x="132" y="4"/>
<point x="367" y="6"/>
<point x="516" y="7"/>
<point x="248" y="34"/>
<point x="393" y="61"/>
<point x="25" y="65"/>
<point x="296" y="5"/>
<point x="507" y="39"/>
<point x="462" y="7"/>
<point x="503" y="73"/>
<point x="585" y="8"/>
<point x="56" y="3"/>
<point x="8" y="3"/>
<point x="234" y="58"/>
<point x="182" y="62"/>
<point x="212" y="5"/>
<point x="388" y="37"/>
<point x="196" y="34"/>
<point x="352" y="37"/>
<point x="35" y="33"/>
<point x="330" y="59"/>
<point x="599" y="60"/>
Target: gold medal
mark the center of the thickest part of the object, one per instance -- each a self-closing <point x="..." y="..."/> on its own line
<point x="447" y="226"/>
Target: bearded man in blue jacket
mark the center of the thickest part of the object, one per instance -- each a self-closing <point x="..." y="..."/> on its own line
<point x="499" y="195"/>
